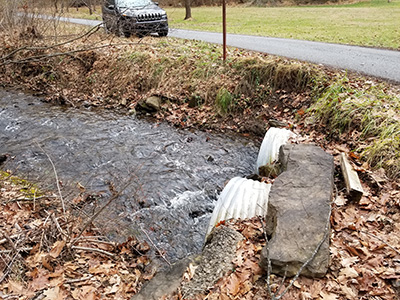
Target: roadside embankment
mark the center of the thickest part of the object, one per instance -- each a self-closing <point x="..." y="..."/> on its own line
<point x="196" y="89"/>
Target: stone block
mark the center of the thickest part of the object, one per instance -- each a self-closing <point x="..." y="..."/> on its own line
<point x="150" y="105"/>
<point x="298" y="211"/>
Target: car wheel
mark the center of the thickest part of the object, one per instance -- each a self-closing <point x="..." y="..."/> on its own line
<point x="141" y="34"/>
<point x="122" y="32"/>
<point x="106" y="27"/>
<point x="163" y="32"/>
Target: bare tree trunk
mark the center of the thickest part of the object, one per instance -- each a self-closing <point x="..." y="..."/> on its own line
<point x="90" y="5"/>
<point x="188" y="10"/>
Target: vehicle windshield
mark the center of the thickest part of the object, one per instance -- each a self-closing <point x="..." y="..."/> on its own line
<point x="133" y="3"/>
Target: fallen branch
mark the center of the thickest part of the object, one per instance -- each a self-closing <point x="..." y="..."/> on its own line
<point x="8" y="268"/>
<point x="378" y="238"/>
<point x="53" y="217"/>
<point x="2" y="241"/>
<point x="78" y="279"/>
<point x="16" y="250"/>
<point x="95" y="215"/>
<point x="30" y="199"/>
<point x="158" y="250"/>
<point x="93" y="250"/>
<point x="90" y="240"/>
<point x="11" y="262"/>
<point x="10" y="242"/>
<point x="9" y="297"/>
<point x="281" y="284"/>
<point x="57" y="181"/>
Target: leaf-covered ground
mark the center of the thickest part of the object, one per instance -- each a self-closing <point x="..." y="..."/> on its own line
<point x="44" y="255"/>
<point x="47" y="253"/>
<point x="364" y="250"/>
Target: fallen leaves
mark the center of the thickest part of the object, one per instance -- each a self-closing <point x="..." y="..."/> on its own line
<point x="328" y="296"/>
<point x="365" y="257"/>
<point x="85" y="293"/>
<point x="54" y="293"/>
<point x="57" y="248"/>
<point x="38" y="257"/>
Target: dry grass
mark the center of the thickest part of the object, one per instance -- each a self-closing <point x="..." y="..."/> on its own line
<point x="111" y="72"/>
<point x="366" y="114"/>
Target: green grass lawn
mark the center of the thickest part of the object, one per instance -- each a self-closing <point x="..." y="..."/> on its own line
<point x="373" y="23"/>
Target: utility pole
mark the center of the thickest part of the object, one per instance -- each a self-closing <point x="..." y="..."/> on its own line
<point x="224" y="28"/>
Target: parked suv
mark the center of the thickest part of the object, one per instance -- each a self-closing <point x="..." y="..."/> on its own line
<point x="140" y="17"/>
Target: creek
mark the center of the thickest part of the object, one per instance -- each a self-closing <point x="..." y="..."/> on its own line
<point x="174" y="175"/>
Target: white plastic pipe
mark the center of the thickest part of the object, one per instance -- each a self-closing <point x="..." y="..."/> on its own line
<point x="241" y="198"/>
<point x="273" y="140"/>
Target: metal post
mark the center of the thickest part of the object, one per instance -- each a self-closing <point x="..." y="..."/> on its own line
<point x="224" y="28"/>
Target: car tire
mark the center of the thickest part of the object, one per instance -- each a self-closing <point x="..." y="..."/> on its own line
<point x="107" y="28"/>
<point x="122" y="32"/>
<point x="141" y="34"/>
<point x="163" y="32"/>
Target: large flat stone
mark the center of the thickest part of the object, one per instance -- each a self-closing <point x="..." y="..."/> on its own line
<point x="299" y="207"/>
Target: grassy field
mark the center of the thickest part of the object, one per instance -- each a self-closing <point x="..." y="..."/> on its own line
<point x="374" y="23"/>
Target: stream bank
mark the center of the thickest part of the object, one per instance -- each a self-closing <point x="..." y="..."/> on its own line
<point x="351" y="249"/>
<point x="168" y="178"/>
<point x="198" y="90"/>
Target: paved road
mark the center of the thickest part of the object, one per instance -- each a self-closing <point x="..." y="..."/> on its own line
<point x="369" y="61"/>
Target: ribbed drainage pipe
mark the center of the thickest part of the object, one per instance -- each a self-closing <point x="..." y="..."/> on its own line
<point x="240" y="199"/>
<point x="273" y="140"/>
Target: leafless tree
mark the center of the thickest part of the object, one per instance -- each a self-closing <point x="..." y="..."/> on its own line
<point x="90" y="4"/>
<point x="188" y="10"/>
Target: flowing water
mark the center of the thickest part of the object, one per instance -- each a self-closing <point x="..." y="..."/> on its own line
<point x="173" y="175"/>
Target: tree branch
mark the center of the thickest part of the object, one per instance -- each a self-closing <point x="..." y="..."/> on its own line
<point x="93" y="250"/>
<point x="57" y="181"/>
<point x="30" y="199"/>
<point x="86" y="34"/>
<point x="158" y="250"/>
<point x="379" y="239"/>
<point x="95" y="215"/>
